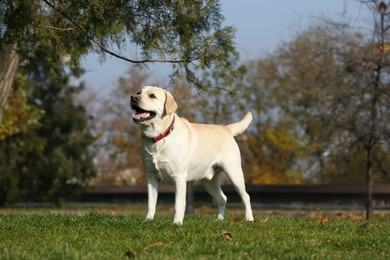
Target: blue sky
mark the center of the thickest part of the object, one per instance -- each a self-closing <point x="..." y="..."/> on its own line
<point x="261" y="25"/>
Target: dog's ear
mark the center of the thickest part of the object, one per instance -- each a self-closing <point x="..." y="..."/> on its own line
<point x="170" y="103"/>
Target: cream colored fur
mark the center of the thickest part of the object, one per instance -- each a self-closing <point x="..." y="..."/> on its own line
<point x="190" y="152"/>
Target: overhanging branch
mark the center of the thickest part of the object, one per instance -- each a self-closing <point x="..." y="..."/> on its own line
<point x="106" y="50"/>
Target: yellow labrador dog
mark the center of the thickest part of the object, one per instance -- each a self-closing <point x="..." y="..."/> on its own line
<point x="177" y="151"/>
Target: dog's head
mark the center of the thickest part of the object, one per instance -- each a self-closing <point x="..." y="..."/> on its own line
<point x="152" y="103"/>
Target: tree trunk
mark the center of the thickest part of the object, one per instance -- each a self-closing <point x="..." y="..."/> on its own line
<point x="369" y="204"/>
<point x="9" y="60"/>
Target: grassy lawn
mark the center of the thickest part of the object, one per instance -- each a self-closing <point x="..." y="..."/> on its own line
<point x="40" y="234"/>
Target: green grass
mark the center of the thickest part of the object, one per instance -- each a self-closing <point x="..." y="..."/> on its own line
<point x="42" y="235"/>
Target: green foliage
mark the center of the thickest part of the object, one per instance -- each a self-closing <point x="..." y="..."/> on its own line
<point x="97" y="236"/>
<point x="20" y="116"/>
<point x="53" y="160"/>
<point x="65" y="163"/>
<point x="188" y="34"/>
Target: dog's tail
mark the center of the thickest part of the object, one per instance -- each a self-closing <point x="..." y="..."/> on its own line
<point x="239" y="127"/>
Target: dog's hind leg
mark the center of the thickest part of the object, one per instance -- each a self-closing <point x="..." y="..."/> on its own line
<point x="213" y="187"/>
<point x="234" y="172"/>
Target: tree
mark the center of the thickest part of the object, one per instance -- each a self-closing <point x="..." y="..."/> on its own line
<point x="271" y="147"/>
<point x="51" y="161"/>
<point x="268" y="150"/>
<point x="187" y="34"/>
<point x="378" y="91"/>
<point x="330" y="87"/>
<point x="20" y="118"/>
<point x="119" y="145"/>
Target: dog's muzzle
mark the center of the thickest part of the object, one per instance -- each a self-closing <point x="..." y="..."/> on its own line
<point x="140" y="115"/>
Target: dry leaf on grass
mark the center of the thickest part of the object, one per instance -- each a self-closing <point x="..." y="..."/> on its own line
<point x="130" y="254"/>
<point x="156" y="244"/>
<point x="235" y="219"/>
<point x="263" y="221"/>
<point x="355" y="217"/>
<point x="322" y="221"/>
<point x="227" y="235"/>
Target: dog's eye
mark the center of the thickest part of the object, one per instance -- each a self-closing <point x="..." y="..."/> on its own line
<point x="138" y="93"/>
<point x="152" y="96"/>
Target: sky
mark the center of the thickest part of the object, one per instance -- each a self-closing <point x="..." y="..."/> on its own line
<point x="262" y="26"/>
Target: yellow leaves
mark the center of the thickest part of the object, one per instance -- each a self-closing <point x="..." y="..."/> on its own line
<point x="274" y="152"/>
<point x="382" y="48"/>
<point x="281" y="137"/>
<point x="19" y="115"/>
<point x="269" y="174"/>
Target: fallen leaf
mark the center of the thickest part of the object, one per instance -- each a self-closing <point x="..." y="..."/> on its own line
<point x="235" y="219"/>
<point x="156" y="244"/>
<point x="130" y="254"/>
<point x="227" y="235"/>
<point x="355" y="217"/>
<point x="322" y="221"/>
<point x="263" y="221"/>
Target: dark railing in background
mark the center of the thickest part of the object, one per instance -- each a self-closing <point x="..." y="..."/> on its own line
<point x="261" y="195"/>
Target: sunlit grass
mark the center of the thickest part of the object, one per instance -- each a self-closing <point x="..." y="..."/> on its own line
<point x="113" y="235"/>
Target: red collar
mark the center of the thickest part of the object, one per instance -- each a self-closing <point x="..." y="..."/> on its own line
<point x="165" y="133"/>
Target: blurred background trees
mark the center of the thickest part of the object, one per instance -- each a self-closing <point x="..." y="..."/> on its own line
<point x="46" y="143"/>
<point x="118" y="158"/>
<point x="321" y="106"/>
<point x="47" y="139"/>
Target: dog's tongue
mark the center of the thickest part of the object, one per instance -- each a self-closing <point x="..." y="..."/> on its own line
<point x="141" y="115"/>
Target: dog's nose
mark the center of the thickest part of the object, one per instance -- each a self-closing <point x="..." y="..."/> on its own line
<point x="134" y="98"/>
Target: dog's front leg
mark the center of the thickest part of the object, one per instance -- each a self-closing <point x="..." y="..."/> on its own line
<point x="180" y="200"/>
<point x="152" y="196"/>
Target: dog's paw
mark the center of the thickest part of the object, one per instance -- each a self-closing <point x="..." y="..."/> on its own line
<point x="149" y="218"/>
<point x="178" y="222"/>
<point x="251" y="219"/>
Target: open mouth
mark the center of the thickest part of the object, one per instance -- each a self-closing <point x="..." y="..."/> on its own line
<point x="141" y="115"/>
